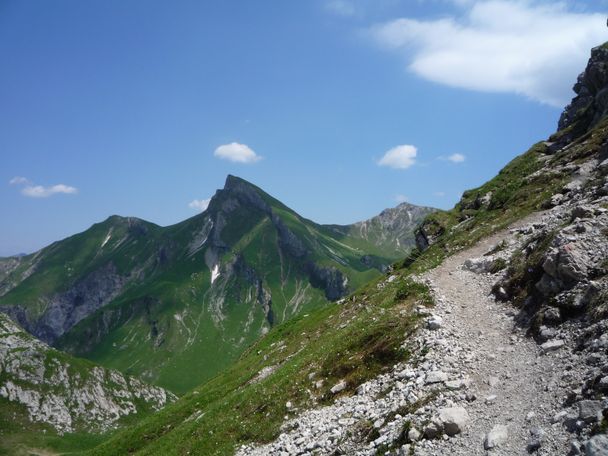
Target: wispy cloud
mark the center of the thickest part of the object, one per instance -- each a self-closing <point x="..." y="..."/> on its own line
<point x="400" y="157"/>
<point x="237" y="153"/>
<point x="456" y="158"/>
<point x="18" y="180"/>
<point x="39" y="191"/>
<point x="529" y="47"/>
<point x="199" y="204"/>
<point x="440" y="194"/>
<point x="341" y="7"/>
<point x="401" y="198"/>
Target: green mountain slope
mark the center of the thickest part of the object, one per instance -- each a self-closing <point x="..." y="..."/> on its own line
<point x="175" y="305"/>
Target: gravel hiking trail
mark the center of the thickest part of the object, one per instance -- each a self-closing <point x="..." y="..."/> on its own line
<point x="516" y="385"/>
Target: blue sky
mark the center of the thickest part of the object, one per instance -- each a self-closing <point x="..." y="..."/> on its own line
<point x="339" y="108"/>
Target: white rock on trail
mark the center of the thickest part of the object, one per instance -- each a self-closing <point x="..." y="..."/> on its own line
<point x="496" y="437"/>
<point x="434" y="322"/>
<point x="552" y="345"/>
<point x="454" y="419"/>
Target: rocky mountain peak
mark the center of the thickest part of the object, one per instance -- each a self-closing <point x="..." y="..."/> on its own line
<point x="236" y="192"/>
<point x="591" y="101"/>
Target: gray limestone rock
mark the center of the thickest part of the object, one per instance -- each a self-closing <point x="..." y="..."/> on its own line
<point x="496" y="437"/>
<point x="597" y="446"/>
<point x="454" y="419"/>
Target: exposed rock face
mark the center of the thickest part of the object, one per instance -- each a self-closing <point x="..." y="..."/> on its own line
<point x="591" y="101"/>
<point x="331" y="280"/>
<point x="427" y="234"/>
<point x="393" y="229"/>
<point x="250" y="277"/>
<point x="67" y="309"/>
<point x="68" y="393"/>
<point x="7" y="265"/>
<point x="64" y="310"/>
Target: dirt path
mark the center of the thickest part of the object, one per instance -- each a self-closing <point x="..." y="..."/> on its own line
<point x="515" y="384"/>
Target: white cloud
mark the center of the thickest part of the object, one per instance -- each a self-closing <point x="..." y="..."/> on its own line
<point x="199" y="205"/>
<point x="238" y="153"/>
<point x="19" y="180"/>
<point x="401" y="198"/>
<point x="456" y="158"/>
<point x="440" y="194"/>
<point x="527" y="47"/>
<point x="400" y="157"/>
<point x="341" y="7"/>
<point x="38" y="191"/>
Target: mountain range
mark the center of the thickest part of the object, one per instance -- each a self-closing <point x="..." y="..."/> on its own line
<point x="175" y="305"/>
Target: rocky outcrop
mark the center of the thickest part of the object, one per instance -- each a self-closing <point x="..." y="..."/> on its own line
<point x="427" y="234"/>
<point x="331" y="280"/>
<point x="64" y="310"/>
<point x="67" y="393"/>
<point x="247" y="276"/>
<point x="591" y="101"/>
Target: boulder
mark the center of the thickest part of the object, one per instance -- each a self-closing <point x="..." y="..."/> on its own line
<point x="436" y="377"/>
<point x="589" y="411"/>
<point x="597" y="446"/>
<point x="480" y="265"/>
<point x="453" y="419"/>
<point x="413" y="435"/>
<point x="434" y="322"/>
